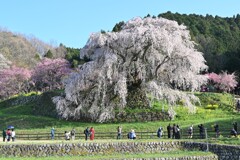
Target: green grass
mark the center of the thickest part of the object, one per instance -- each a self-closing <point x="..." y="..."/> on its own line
<point x="21" y="116"/>
<point x="227" y="141"/>
<point x="118" y="155"/>
<point x="24" y="120"/>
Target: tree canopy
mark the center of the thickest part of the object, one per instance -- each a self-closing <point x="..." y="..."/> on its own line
<point x="153" y="57"/>
<point x="48" y="74"/>
<point x="13" y="80"/>
<point x="223" y="82"/>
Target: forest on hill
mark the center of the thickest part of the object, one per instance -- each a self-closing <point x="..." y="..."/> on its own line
<point x="217" y="37"/>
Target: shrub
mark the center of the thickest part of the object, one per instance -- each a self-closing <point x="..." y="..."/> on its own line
<point x="211" y="106"/>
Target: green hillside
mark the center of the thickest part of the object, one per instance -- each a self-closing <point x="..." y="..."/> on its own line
<point x="217" y="37"/>
<point x="28" y="115"/>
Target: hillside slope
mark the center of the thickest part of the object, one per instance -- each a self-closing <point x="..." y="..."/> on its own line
<point x="25" y="112"/>
<point x="24" y="51"/>
<point x="17" y="49"/>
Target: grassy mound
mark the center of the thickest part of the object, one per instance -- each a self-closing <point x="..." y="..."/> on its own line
<point x="25" y="117"/>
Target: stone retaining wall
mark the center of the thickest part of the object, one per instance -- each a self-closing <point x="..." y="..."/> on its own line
<point x="88" y="148"/>
<point x="210" y="157"/>
<point x="223" y="152"/>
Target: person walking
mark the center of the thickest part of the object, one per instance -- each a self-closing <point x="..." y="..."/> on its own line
<point x="86" y="133"/>
<point x="67" y="135"/>
<point x="52" y="133"/>
<point x="4" y="135"/>
<point x="119" y="132"/>
<point x="216" y="130"/>
<point x="169" y="130"/>
<point x="92" y="133"/>
<point x="238" y="105"/>
<point x="190" y="132"/>
<point x="73" y="132"/>
<point x="8" y="135"/>
<point x="178" y="135"/>
<point x="201" y="131"/>
<point x="132" y="134"/>
<point x="235" y="126"/>
<point x="233" y="132"/>
<point x="174" y="129"/>
<point x="13" y="135"/>
<point x="159" y="132"/>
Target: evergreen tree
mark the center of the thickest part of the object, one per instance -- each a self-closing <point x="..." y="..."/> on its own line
<point x="49" y="54"/>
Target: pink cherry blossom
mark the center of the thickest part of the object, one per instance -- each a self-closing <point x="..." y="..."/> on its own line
<point x="48" y="74"/>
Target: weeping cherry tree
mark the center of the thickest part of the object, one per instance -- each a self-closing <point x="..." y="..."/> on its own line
<point x="149" y="59"/>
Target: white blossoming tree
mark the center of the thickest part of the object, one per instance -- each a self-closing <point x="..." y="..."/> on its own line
<point x="149" y="59"/>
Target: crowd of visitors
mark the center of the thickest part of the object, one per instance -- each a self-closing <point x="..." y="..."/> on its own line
<point x="173" y="131"/>
<point x="8" y="135"/>
<point x="70" y="135"/>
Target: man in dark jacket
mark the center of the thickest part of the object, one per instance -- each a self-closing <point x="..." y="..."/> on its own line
<point x="201" y="131"/>
<point x="4" y="134"/>
<point x="169" y="129"/>
<point x="216" y="129"/>
<point x="174" y="129"/>
<point x="86" y="132"/>
<point x="235" y="126"/>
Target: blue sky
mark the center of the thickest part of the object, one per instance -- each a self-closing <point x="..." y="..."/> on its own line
<point x="72" y="21"/>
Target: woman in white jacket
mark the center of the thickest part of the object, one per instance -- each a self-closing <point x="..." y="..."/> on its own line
<point x="13" y="135"/>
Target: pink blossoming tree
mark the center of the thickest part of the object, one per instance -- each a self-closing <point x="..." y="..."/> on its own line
<point x="224" y="81"/>
<point x="48" y="74"/>
<point x="14" y="80"/>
